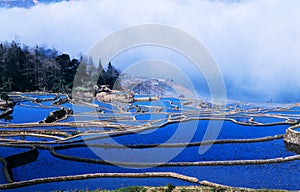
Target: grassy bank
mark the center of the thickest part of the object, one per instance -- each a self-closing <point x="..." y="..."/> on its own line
<point x="172" y="188"/>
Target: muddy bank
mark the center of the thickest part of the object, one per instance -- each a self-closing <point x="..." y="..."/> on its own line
<point x="6" y="112"/>
<point x="292" y="136"/>
<point x="109" y="97"/>
<point x="61" y="101"/>
<point x="100" y="175"/>
<point x="57" y="115"/>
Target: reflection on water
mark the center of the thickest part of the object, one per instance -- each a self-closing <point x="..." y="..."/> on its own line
<point x="292" y="147"/>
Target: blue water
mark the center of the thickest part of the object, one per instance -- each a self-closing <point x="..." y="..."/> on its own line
<point x="24" y="114"/>
<point x="81" y="118"/>
<point x="279" y="176"/>
<point x="2" y="179"/>
<point x="82" y="109"/>
<point x="141" y="95"/>
<point x="296" y="108"/>
<point x="217" y="152"/>
<point x="30" y="103"/>
<point x="60" y="128"/>
<point x="69" y="105"/>
<point x="297" y="129"/>
<point x="159" y="103"/>
<point x="268" y="119"/>
<point x="7" y="151"/>
<point x="288" y="112"/>
<point x="30" y="138"/>
<point x="194" y="130"/>
<point x="167" y="105"/>
<point x="47" y="103"/>
<point x="151" y="116"/>
<point x="273" y="176"/>
<point x="103" y="184"/>
<point x="241" y="151"/>
<point x="69" y="119"/>
<point x="104" y="105"/>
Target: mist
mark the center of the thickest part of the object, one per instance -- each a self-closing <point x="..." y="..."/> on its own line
<point x="256" y="43"/>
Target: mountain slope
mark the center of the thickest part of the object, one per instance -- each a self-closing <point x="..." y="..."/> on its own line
<point x="25" y="3"/>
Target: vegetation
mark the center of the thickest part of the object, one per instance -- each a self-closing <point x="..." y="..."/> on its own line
<point x="4" y="96"/>
<point x="170" y="188"/>
<point x="132" y="189"/>
<point x="24" y="68"/>
<point x="181" y="189"/>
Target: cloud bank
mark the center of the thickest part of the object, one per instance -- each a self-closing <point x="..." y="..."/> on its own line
<point x="256" y="43"/>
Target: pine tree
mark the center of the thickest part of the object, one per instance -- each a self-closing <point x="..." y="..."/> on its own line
<point x="101" y="74"/>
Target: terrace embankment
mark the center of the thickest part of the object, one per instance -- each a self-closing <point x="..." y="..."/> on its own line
<point x="63" y="112"/>
<point x="6" y="112"/>
<point x="5" y="104"/>
<point x="6" y="108"/>
<point x="61" y="101"/>
<point x="292" y="139"/>
<point x="100" y="175"/>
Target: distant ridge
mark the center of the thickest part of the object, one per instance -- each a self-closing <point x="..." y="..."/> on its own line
<point x="25" y="3"/>
<point x="155" y="87"/>
<point x="31" y="3"/>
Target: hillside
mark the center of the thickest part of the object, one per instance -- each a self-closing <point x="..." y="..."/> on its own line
<point x="155" y="86"/>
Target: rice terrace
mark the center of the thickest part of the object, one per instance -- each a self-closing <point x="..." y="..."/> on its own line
<point x="100" y="95"/>
<point x="255" y="142"/>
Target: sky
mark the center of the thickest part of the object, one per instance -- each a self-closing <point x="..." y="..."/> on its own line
<point x="255" y="43"/>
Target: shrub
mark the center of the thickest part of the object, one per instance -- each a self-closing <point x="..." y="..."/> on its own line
<point x="170" y="188"/>
<point x="132" y="189"/>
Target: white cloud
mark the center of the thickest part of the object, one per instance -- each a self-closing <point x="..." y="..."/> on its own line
<point x="256" y="43"/>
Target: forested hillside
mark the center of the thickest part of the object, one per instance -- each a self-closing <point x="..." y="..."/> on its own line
<point x="24" y="68"/>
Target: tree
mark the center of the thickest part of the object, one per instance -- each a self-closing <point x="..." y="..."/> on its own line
<point x="11" y="66"/>
<point x="112" y="76"/>
<point x="82" y="72"/>
<point x="101" y="76"/>
<point x="65" y="76"/>
<point x="4" y="96"/>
